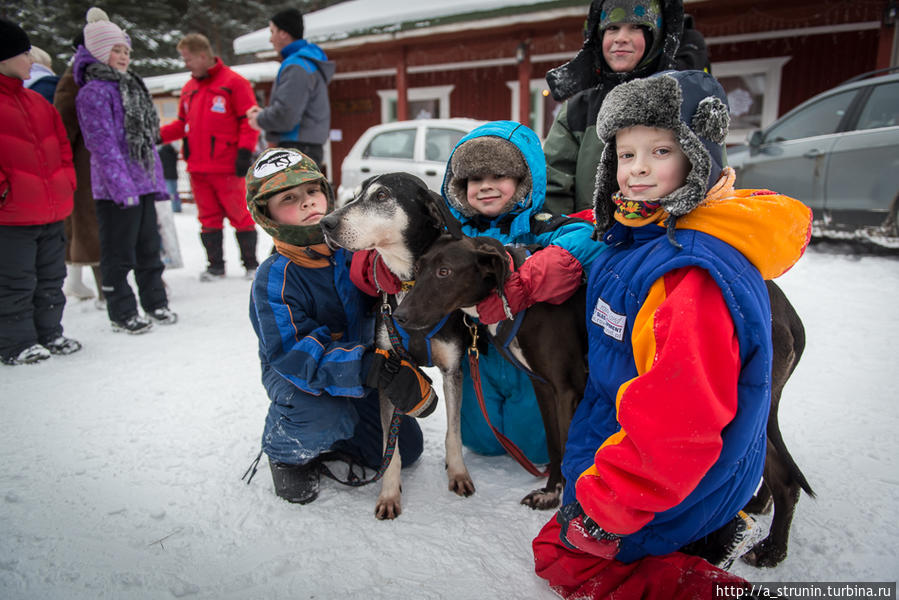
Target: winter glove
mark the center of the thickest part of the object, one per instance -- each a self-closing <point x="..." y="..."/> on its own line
<point x="243" y="162"/>
<point x="405" y="385"/>
<point x="580" y="532"/>
<point x="369" y="273"/>
<point x="549" y="275"/>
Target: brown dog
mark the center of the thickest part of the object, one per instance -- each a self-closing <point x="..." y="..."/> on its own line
<point x="459" y="273"/>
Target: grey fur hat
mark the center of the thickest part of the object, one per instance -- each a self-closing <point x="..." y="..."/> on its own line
<point x="486" y="155"/>
<point x="693" y="105"/>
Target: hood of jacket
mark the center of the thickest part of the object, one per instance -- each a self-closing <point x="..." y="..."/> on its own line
<point x="301" y="49"/>
<point x="82" y="60"/>
<point x="588" y="69"/>
<point x="517" y="220"/>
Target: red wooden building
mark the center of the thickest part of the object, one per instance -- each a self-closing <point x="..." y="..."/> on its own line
<point x="398" y="59"/>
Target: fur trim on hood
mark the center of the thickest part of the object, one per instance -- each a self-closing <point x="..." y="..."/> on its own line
<point x="588" y="69"/>
<point x="693" y="105"/>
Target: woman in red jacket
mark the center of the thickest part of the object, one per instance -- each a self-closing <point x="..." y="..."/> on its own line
<point x="36" y="184"/>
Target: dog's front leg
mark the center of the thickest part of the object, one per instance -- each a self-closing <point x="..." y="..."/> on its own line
<point x="459" y="479"/>
<point x="388" y="505"/>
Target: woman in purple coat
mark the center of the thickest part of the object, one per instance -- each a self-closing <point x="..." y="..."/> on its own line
<point x="120" y="126"/>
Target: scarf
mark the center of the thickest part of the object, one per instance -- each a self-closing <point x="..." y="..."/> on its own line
<point x="141" y="119"/>
<point x="313" y="256"/>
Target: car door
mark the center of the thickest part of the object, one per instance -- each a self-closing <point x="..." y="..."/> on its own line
<point x="863" y="169"/>
<point x="386" y="152"/>
<point x="792" y="156"/>
<point x="437" y="145"/>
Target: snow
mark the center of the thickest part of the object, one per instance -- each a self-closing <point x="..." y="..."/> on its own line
<point x="340" y="20"/>
<point x="120" y="465"/>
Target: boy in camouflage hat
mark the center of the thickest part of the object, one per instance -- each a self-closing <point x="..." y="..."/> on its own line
<point x="315" y="334"/>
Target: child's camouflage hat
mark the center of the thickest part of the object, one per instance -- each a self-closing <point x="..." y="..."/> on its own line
<point x="275" y="170"/>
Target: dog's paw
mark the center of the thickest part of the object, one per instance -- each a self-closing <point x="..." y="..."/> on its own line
<point x="387" y="508"/>
<point x="765" y="554"/>
<point x="544" y="498"/>
<point x="461" y="485"/>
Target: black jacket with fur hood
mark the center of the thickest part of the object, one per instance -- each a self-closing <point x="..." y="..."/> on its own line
<point x="572" y="147"/>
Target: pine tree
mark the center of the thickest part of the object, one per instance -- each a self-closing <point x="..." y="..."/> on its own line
<point x="155" y="26"/>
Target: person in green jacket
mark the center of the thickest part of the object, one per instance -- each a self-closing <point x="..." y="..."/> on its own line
<point x="625" y="40"/>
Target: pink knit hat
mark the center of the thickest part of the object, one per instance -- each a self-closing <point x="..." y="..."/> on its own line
<point x="101" y="34"/>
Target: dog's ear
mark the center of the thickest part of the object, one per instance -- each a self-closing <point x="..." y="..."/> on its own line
<point x="493" y="260"/>
<point x="440" y="213"/>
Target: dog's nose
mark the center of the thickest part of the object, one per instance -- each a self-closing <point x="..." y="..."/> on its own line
<point x="328" y="223"/>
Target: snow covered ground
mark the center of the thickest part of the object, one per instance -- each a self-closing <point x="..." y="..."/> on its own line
<point x="120" y="465"/>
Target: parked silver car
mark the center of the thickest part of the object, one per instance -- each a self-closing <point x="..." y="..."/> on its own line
<point x="837" y="152"/>
<point x="419" y="147"/>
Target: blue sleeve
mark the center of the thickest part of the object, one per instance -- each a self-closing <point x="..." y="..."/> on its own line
<point x="300" y="349"/>
<point x="577" y="239"/>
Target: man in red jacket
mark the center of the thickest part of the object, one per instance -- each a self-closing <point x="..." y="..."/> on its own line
<point x="218" y="149"/>
<point x="37" y="181"/>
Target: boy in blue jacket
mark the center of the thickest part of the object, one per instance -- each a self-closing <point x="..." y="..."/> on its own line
<point x="495" y="185"/>
<point x="315" y="334"/>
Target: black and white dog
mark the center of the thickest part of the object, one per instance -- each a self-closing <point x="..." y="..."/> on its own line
<point x="397" y="215"/>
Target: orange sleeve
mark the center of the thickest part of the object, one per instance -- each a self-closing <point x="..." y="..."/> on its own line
<point x="672" y="414"/>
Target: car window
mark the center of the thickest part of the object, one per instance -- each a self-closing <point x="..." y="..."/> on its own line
<point x="392" y="144"/>
<point x="440" y="142"/>
<point x="882" y="107"/>
<point x="820" y="118"/>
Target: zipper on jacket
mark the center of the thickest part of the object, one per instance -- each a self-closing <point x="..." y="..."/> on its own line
<point x="212" y="147"/>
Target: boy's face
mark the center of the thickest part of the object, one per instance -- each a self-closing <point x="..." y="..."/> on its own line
<point x="119" y="57"/>
<point x="623" y="46"/>
<point x="490" y="194"/>
<point x="651" y="163"/>
<point x="18" y="66"/>
<point x="304" y="204"/>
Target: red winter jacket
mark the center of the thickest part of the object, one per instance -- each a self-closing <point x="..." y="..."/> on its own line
<point x="212" y="113"/>
<point x="37" y="178"/>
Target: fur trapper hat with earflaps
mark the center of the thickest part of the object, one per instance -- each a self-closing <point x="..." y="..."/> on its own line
<point x="486" y="155"/>
<point x="693" y="105"/>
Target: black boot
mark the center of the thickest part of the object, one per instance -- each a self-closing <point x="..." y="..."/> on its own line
<point x="246" y="241"/>
<point x="296" y="483"/>
<point x="212" y="242"/>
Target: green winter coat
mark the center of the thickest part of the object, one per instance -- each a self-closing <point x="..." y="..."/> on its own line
<point x="571" y="147"/>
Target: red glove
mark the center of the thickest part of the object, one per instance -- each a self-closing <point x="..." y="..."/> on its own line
<point x="369" y="273"/>
<point x="580" y="532"/>
<point x="549" y="275"/>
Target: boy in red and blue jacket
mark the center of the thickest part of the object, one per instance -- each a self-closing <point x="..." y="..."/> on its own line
<point x="668" y="443"/>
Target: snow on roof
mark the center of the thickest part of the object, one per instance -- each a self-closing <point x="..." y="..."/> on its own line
<point x="256" y="72"/>
<point x="356" y="17"/>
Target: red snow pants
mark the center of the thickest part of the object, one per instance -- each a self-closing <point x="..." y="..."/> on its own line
<point x="220" y="195"/>
<point x="574" y="574"/>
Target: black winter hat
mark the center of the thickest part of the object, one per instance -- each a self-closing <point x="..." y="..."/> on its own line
<point x="693" y="105"/>
<point x="291" y="21"/>
<point x="13" y="40"/>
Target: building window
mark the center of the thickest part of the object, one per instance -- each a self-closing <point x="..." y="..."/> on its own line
<point x="753" y="93"/>
<point x="543" y="106"/>
<point x="424" y="103"/>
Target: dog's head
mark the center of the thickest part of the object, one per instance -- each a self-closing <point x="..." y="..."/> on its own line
<point x="453" y="274"/>
<point x="395" y="214"/>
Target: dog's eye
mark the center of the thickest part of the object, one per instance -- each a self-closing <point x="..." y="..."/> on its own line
<point x="381" y="195"/>
<point x="444" y="272"/>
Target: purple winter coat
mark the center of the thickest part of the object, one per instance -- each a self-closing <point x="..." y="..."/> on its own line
<point x="114" y="175"/>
